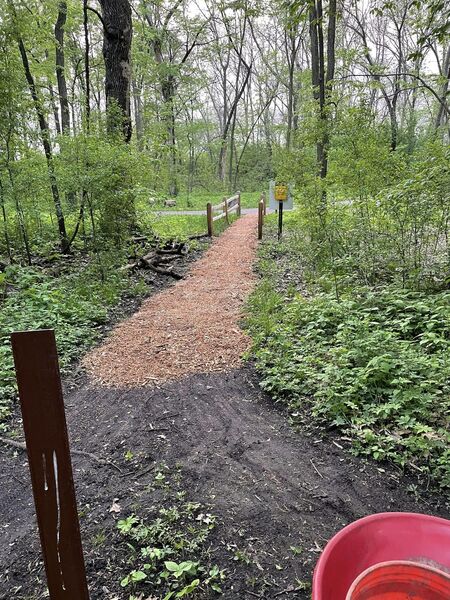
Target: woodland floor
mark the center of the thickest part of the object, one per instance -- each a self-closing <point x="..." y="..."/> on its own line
<point x="271" y="488"/>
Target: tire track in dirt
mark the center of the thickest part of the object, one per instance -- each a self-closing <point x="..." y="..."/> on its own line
<point x="192" y="327"/>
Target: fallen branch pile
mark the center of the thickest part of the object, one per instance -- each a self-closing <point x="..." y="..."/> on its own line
<point x="159" y="260"/>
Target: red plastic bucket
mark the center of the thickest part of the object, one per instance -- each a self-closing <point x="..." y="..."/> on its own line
<point x="401" y="580"/>
<point x="377" y="539"/>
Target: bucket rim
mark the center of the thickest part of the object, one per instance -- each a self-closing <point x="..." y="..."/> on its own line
<point x="397" y="563"/>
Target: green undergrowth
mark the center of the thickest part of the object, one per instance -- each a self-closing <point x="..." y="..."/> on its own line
<point x="75" y="302"/>
<point x="183" y="226"/>
<point x="374" y="363"/>
<point x="167" y="551"/>
<point x="177" y="226"/>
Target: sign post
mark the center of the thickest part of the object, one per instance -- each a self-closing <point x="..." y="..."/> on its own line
<point x="281" y="196"/>
<point x="47" y="443"/>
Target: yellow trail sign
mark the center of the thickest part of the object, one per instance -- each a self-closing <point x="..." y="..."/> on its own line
<point x="281" y="192"/>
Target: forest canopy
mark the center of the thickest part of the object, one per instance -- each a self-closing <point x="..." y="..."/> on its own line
<point x="108" y="103"/>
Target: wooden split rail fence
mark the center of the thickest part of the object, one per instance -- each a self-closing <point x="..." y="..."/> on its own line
<point x="226" y="208"/>
<point x="231" y="205"/>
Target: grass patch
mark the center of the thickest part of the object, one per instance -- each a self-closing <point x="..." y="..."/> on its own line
<point x="177" y="226"/>
<point x="374" y="363"/>
<point x="181" y="227"/>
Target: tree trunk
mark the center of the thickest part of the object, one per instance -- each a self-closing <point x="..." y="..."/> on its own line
<point x="45" y="137"/>
<point x="117" y="35"/>
<point x="291" y="103"/>
<point x="54" y="108"/>
<point x="60" y="67"/>
<point x="318" y="78"/>
<point x="392" y="107"/>
<point x="444" y="92"/>
<point x="322" y="75"/>
<point x="138" y="112"/>
<point x="5" y="224"/>
<point x="87" y="93"/>
<point x="168" y="92"/>
<point x="221" y="165"/>
<point x="231" y="116"/>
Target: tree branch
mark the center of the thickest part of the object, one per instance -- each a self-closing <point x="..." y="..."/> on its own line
<point x="98" y="15"/>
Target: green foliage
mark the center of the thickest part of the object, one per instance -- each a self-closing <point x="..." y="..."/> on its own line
<point x="75" y="304"/>
<point x="169" y="553"/>
<point x="177" y="226"/>
<point x="374" y="363"/>
<point x="376" y="231"/>
<point x="110" y="175"/>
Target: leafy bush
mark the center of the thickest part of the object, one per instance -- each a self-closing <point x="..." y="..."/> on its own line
<point x="375" y="365"/>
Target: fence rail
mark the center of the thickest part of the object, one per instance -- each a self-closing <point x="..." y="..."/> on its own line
<point x="227" y="207"/>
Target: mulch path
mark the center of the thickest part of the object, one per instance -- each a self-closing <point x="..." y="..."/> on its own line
<point x="192" y="327"/>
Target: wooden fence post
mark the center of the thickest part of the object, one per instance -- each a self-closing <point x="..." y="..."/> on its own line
<point x="225" y="201"/>
<point x="260" y="219"/>
<point x="209" y="218"/>
<point x="238" y="212"/>
<point x="47" y="443"/>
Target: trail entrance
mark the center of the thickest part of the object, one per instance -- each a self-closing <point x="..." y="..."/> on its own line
<point x="192" y="327"/>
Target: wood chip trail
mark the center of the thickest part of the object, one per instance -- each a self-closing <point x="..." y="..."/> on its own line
<point x="192" y="327"/>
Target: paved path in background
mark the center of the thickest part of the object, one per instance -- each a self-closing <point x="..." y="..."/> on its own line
<point x="165" y="213"/>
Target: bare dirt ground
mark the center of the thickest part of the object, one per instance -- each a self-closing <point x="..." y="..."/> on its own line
<point x="278" y="494"/>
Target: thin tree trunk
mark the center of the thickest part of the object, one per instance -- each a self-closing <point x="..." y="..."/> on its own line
<point x="221" y="166"/>
<point x="230" y="118"/>
<point x="19" y="211"/>
<point x="168" y="92"/>
<point x="138" y="117"/>
<point x="45" y="137"/>
<point x="87" y="95"/>
<point x="322" y="76"/>
<point x="5" y="223"/>
<point x="444" y="91"/>
<point x="54" y="108"/>
<point x="317" y="76"/>
<point x="60" y="67"/>
<point x="291" y="101"/>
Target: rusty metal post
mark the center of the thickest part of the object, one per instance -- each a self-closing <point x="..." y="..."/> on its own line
<point x="47" y="442"/>
<point x="209" y="218"/>
<point x="238" y="212"/>
<point x="260" y="219"/>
